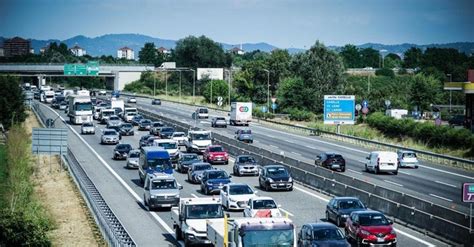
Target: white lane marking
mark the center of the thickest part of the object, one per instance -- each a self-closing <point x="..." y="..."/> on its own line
<point x="121" y="181"/>
<point x="407" y="173"/>
<point x="440" y="197"/>
<point x="354" y="171"/>
<point x="195" y="196"/>
<point x="288" y="212"/>
<point x="273" y="146"/>
<point x="390" y="182"/>
<point x="231" y="159"/>
<point x="414" y="238"/>
<point x="311" y="147"/>
<point x="362" y="161"/>
<point x="311" y="194"/>
<point x="296" y="153"/>
<point x="451" y="173"/>
<point x="290" y="141"/>
<point x="364" y="152"/>
<point x="450" y="185"/>
<point x="255" y="141"/>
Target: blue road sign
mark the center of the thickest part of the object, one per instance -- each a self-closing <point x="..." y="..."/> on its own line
<point x="339" y="109"/>
<point x="365" y="104"/>
<point x="264" y="109"/>
<point x="274" y="106"/>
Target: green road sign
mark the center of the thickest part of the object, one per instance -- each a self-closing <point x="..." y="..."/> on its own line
<point x="69" y="69"/>
<point x="93" y="68"/>
<point x="81" y="69"/>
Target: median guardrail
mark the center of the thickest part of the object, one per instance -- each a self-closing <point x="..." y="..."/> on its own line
<point x="435" y="220"/>
<point x="423" y="155"/>
<point x="110" y="226"/>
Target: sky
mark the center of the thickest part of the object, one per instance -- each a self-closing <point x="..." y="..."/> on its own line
<point x="283" y="23"/>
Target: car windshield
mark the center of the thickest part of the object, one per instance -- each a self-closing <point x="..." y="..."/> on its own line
<point x="245" y="132"/>
<point x="134" y="155"/>
<point x="240" y="190"/>
<point x="204" y="211"/>
<point x="201" y="136"/>
<point x="107" y="113"/>
<point x="246" y="159"/>
<point x="145" y="137"/>
<point x="138" y="117"/>
<point x="123" y="147"/>
<point x="350" y="204"/>
<point x="178" y="134"/>
<point x="280" y="171"/>
<point x="145" y="122"/>
<point x="161" y="163"/>
<point x="264" y="204"/>
<point x="373" y="220"/>
<point x="85" y="106"/>
<point x="216" y="149"/>
<point x="409" y="155"/>
<point x="127" y="125"/>
<point x="168" y="145"/>
<point x="87" y="125"/>
<point x="131" y="113"/>
<point x="157" y="124"/>
<point x="327" y="234"/>
<point x="110" y="132"/>
<point x="268" y="238"/>
<point x="202" y="167"/>
<point x="188" y="157"/>
<point x="203" y="110"/>
<point x="217" y="175"/>
<point x="334" y="156"/>
<point x="167" y="130"/>
<point x="114" y="118"/>
<point x="164" y="184"/>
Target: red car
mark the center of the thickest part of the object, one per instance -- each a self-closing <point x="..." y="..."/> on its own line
<point x="216" y="154"/>
<point x="368" y="228"/>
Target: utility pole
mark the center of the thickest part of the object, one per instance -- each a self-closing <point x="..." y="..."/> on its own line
<point x="268" y="88"/>
<point x="180" y="86"/>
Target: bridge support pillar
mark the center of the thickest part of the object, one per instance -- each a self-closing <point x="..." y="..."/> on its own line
<point x="123" y="78"/>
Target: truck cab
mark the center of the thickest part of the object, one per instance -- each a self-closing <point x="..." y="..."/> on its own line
<point x="190" y="217"/>
<point x="161" y="191"/>
<point x="169" y="145"/>
<point x="153" y="159"/>
<point x="198" y="141"/>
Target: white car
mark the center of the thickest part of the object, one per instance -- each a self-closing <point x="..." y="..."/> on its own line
<point x="87" y="128"/>
<point x="236" y="196"/>
<point x="132" y="100"/>
<point x="262" y="207"/>
<point x="179" y="137"/>
<point x="382" y="161"/>
<point x="407" y="159"/>
<point x="132" y="159"/>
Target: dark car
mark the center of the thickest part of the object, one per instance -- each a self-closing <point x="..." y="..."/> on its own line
<point x="166" y="132"/>
<point x="275" y="177"/>
<point x="457" y="120"/>
<point x="244" y="135"/>
<point x="213" y="180"/>
<point x="121" y="151"/>
<point x="370" y="228"/>
<point x="150" y="140"/>
<point x="340" y="208"/>
<point x="145" y="124"/>
<point x="245" y="165"/>
<point x="136" y="119"/>
<point x="156" y="102"/>
<point x="155" y="128"/>
<point x="321" y="234"/>
<point x="218" y="122"/>
<point x="143" y="140"/>
<point x="330" y="160"/>
<point x="126" y="129"/>
<point x="185" y="160"/>
<point x="196" y="170"/>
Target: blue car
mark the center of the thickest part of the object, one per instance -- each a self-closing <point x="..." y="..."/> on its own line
<point x="321" y="234"/>
<point x="213" y="180"/>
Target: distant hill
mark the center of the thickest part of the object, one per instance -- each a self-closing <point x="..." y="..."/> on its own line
<point x="109" y="43"/>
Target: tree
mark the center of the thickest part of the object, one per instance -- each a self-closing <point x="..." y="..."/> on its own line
<point x="351" y="56"/>
<point x="322" y="71"/>
<point x="279" y="65"/>
<point x="294" y="93"/>
<point x="148" y="54"/>
<point x="370" y="57"/>
<point x="200" y="52"/>
<point x="216" y="88"/>
<point x="392" y="60"/>
<point x="425" y="90"/>
<point x="385" y="72"/>
<point x="412" y="58"/>
<point x="12" y="108"/>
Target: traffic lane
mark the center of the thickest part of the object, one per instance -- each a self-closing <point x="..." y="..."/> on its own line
<point x="125" y="207"/>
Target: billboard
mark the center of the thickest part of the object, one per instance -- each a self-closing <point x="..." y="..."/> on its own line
<point x="339" y="109"/>
<point x="210" y="73"/>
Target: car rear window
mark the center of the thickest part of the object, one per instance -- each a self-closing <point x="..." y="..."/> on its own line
<point x="110" y="132"/>
<point x="203" y="110"/>
<point x="216" y="149"/>
<point x="334" y="156"/>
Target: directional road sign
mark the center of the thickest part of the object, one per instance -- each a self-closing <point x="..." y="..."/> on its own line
<point x="274" y="99"/>
<point x="81" y="69"/>
<point x="69" y="69"/>
<point x="365" y="103"/>
<point x="264" y="109"/>
<point x="339" y="109"/>
<point x="274" y="106"/>
<point x="468" y="192"/>
<point x="92" y="68"/>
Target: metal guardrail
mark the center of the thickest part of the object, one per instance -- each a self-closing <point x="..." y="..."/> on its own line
<point x="110" y="226"/>
<point x="424" y="155"/>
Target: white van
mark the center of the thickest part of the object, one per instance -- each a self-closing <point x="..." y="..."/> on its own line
<point x="382" y="161"/>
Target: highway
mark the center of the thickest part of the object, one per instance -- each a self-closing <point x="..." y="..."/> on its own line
<point x="432" y="182"/>
<point x="123" y="192"/>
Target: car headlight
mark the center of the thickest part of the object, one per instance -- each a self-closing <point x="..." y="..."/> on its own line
<point x="364" y="232"/>
<point x="209" y="184"/>
<point x="290" y="180"/>
<point x="393" y="232"/>
<point x="232" y="200"/>
<point x="194" y="146"/>
<point x="176" y="196"/>
<point x="152" y="196"/>
<point x="345" y="216"/>
<point x="270" y="180"/>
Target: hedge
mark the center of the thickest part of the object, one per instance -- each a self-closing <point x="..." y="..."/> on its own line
<point x="428" y="133"/>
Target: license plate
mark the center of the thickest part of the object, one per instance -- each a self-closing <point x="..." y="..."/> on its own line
<point x="281" y="184"/>
<point x="220" y="186"/>
<point x="335" y="166"/>
<point x="380" y="240"/>
<point x="219" y="158"/>
<point x="166" y="205"/>
<point x="84" y="118"/>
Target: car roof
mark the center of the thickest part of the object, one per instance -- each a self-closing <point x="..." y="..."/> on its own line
<point x="262" y="198"/>
<point x="332" y="153"/>
<point x="200" y="163"/>
<point x="346" y="198"/>
<point x="238" y="184"/>
<point x="274" y="166"/>
<point x="109" y="130"/>
<point x="367" y="212"/>
<point x="215" y="146"/>
<point x="321" y="225"/>
<point x="244" y="155"/>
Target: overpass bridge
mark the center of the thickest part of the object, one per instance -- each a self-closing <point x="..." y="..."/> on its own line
<point x="117" y="75"/>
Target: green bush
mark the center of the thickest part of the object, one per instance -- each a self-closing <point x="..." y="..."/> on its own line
<point x="428" y="133"/>
<point x="17" y="229"/>
<point x="301" y="115"/>
<point x="257" y="113"/>
<point x="385" y="72"/>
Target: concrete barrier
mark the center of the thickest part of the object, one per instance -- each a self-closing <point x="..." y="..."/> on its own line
<point x="388" y="194"/>
<point x="334" y="187"/>
<point x="362" y="195"/>
<point x="384" y="205"/>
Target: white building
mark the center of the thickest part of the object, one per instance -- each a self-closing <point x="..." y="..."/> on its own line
<point x="78" y="51"/>
<point x="164" y="50"/>
<point x="126" y="53"/>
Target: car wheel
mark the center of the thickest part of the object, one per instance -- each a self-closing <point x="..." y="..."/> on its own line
<point x="395" y="172"/>
<point x="178" y="233"/>
<point x="359" y="242"/>
<point x="366" y="168"/>
<point x="327" y="216"/>
<point x="338" y="221"/>
<point x="260" y="184"/>
<point x="267" y="187"/>
<point x="376" y="170"/>
<point x="343" y="169"/>
<point x="202" y="190"/>
<point x="144" y="201"/>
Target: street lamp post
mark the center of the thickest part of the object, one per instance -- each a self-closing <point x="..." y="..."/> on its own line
<point x="450" y="91"/>
<point x="154" y="84"/>
<point x="180" y="86"/>
<point x="268" y="87"/>
<point x="166" y="81"/>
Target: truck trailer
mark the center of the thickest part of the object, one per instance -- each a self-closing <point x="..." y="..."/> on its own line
<point x="240" y="113"/>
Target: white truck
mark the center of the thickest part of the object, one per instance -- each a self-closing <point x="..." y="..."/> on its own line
<point x="241" y="232"/>
<point x="198" y="141"/>
<point x="47" y="96"/>
<point x="80" y="109"/>
<point x="189" y="218"/>
<point x="117" y="103"/>
<point x="128" y="114"/>
<point x="240" y="113"/>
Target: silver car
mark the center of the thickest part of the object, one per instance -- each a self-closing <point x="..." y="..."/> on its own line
<point x="161" y="191"/>
<point x="196" y="170"/>
<point x="109" y="136"/>
<point x="114" y="121"/>
<point x="132" y="159"/>
<point x="87" y="128"/>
